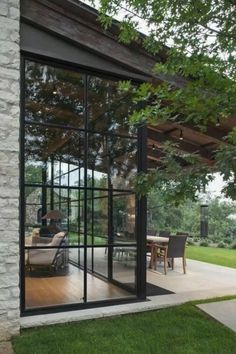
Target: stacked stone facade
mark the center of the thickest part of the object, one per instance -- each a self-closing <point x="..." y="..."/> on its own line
<point x="9" y="167"/>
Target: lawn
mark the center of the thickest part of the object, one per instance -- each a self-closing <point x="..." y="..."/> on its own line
<point x="220" y="256"/>
<point x="73" y="238"/>
<point x="177" y="330"/>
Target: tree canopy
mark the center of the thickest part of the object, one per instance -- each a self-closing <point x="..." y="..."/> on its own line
<point x="186" y="217"/>
<point x="194" y="40"/>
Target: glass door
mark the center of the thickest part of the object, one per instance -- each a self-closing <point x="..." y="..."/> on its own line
<point x="78" y="206"/>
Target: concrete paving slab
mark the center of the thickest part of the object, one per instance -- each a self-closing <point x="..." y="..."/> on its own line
<point x="222" y="311"/>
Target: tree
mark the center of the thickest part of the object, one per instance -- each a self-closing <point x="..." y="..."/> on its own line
<point x="186" y="217"/>
<point x="201" y="35"/>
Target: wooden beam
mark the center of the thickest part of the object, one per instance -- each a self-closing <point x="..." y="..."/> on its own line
<point x="218" y="134"/>
<point x="160" y="138"/>
<point x="157" y="155"/>
<point x="55" y="19"/>
<point x="63" y="23"/>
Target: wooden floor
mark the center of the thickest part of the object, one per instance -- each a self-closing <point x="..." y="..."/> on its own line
<point x="42" y="291"/>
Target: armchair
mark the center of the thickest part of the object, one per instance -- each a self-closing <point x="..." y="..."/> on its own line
<point x="174" y="249"/>
<point x="51" y="258"/>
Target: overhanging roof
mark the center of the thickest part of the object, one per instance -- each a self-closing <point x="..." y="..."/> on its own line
<point x="88" y="44"/>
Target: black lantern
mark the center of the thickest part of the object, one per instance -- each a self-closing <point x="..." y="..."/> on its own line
<point x="204" y="220"/>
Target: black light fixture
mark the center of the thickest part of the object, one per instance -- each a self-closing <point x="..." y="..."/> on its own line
<point x="153" y="147"/>
<point x="204" y="220"/>
<point x="181" y="137"/>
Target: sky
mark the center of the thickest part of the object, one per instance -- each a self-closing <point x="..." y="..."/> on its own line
<point x="214" y="187"/>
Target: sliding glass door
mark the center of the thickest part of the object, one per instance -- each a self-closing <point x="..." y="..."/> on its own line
<point x="79" y="158"/>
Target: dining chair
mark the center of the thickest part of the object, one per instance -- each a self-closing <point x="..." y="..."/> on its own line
<point x="164" y="233"/>
<point x="179" y="233"/>
<point x="174" y="249"/>
<point x="151" y="232"/>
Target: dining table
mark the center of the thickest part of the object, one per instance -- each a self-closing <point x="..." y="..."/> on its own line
<point x="157" y="239"/>
<point x="152" y="242"/>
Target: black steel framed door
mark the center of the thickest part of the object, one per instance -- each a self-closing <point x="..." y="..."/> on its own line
<point x="79" y="157"/>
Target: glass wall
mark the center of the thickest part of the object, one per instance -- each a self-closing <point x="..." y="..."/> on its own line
<point x="79" y="207"/>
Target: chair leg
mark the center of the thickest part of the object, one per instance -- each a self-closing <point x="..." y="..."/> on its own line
<point x="172" y="263"/>
<point x="155" y="259"/>
<point x="165" y="265"/>
<point x="184" y="264"/>
<point x="151" y="259"/>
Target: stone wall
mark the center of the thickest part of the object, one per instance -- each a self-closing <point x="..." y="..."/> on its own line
<point x="9" y="167"/>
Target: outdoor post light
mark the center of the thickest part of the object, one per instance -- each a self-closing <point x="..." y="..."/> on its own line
<point x="204" y="220"/>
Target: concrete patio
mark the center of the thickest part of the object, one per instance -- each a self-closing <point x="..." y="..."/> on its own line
<point x="222" y="311"/>
<point x="202" y="281"/>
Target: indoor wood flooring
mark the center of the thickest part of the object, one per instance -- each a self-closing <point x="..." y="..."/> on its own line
<point x="67" y="289"/>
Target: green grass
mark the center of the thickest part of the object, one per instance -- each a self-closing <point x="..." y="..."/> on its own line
<point x="220" y="256"/>
<point x="73" y="238"/>
<point x="177" y="330"/>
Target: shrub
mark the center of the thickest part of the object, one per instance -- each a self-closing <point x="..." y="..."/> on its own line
<point x="204" y="244"/>
<point x="228" y="241"/>
<point x="221" y="244"/>
<point x="190" y="242"/>
<point x="233" y="246"/>
<point x="215" y="239"/>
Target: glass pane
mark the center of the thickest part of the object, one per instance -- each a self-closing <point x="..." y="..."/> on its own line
<point x="33" y="212"/>
<point x="109" y="108"/>
<point x="97" y="217"/>
<point x="40" y="204"/>
<point x="97" y="161"/>
<point x="53" y="95"/>
<point x="124" y="266"/>
<point x="51" y="279"/>
<point x="51" y="154"/>
<point x="67" y="206"/>
<point x="124" y="217"/>
<point x="122" y="161"/>
<point x="99" y="288"/>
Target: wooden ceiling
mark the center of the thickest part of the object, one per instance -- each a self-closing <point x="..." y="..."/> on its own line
<point x="188" y="139"/>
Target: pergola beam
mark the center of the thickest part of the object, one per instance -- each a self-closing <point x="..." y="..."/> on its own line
<point x="160" y="138"/>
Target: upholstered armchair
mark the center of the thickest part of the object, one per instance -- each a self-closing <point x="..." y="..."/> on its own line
<point x="52" y="258"/>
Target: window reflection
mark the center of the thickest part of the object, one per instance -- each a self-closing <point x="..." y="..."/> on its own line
<point x="108" y="107"/>
<point x="124" y="215"/>
<point x="49" y="152"/>
<point x="82" y="170"/>
<point x="54" y="95"/>
<point x="123" y="165"/>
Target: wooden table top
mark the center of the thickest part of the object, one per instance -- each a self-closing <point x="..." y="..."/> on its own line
<point x="157" y="239"/>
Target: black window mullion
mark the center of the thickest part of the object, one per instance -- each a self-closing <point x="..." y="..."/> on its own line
<point x="68" y="199"/>
<point x="22" y="189"/>
<point x="79" y="224"/>
<point x="141" y="223"/>
<point x="52" y="184"/>
<point x="44" y="192"/>
<point x="92" y="220"/>
<point x="85" y="182"/>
